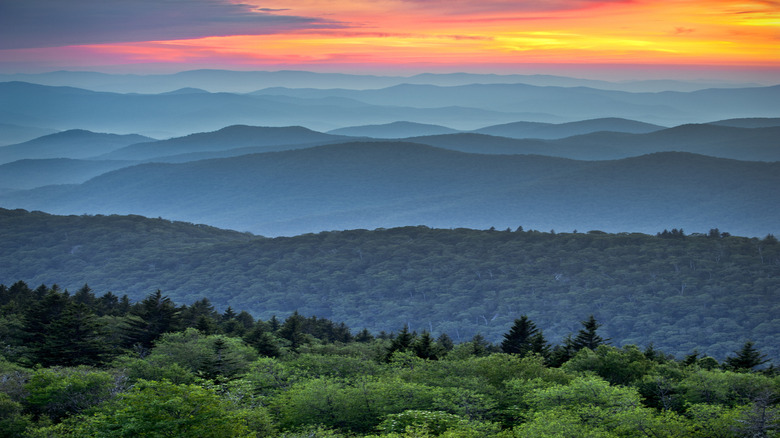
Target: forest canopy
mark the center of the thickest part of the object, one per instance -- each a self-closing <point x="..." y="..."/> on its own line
<point x="78" y="365"/>
<point x="682" y="291"/>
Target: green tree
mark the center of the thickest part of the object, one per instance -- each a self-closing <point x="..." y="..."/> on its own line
<point x="402" y="342"/>
<point x="262" y="341"/>
<point x="12" y="422"/>
<point x="587" y="336"/>
<point x="746" y="359"/>
<point x="76" y="338"/>
<point x="163" y="409"/>
<point x="155" y="315"/>
<point x="524" y="338"/>
<point x="60" y="392"/>
<point x="426" y="348"/>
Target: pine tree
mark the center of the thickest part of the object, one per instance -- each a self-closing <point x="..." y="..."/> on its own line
<point x="262" y="341"/>
<point x="292" y="330"/>
<point x="38" y="320"/>
<point x="364" y="336"/>
<point x="524" y="338"/>
<point x="401" y="342"/>
<point x="75" y="338"/>
<point x="425" y="347"/>
<point x="747" y="358"/>
<point x="479" y="345"/>
<point x="587" y="336"/>
<point x="155" y="315"/>
<point x="445" y="342"/>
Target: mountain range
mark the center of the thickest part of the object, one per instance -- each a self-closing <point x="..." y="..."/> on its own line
<point x="462" y="107"/>
<point x="248" y="81"/>
<point x="380" y="184"/>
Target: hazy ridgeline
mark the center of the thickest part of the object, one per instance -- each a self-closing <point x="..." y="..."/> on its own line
<point x="295" y="153"/>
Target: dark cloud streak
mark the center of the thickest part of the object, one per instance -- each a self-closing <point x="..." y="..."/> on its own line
<point x="55" y="23"/>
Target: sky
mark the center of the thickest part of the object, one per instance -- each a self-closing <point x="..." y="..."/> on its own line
<point x="734" y="39"/>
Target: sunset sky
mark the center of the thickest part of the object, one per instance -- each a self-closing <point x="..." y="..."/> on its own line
<point x="730" y="38"/>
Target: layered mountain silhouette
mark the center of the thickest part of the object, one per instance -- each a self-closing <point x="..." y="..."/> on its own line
<point x="247" y="81"/>
<point x="76" y="143"/>
<point x="463" y="107"/>
<point x="563" y="130"/>
<point x="28" y="174"/>
<point x="225" y="139"/>
<point x="754" y="144"/>
<point x="382" y="184"/>
<point x="394" y="130"/>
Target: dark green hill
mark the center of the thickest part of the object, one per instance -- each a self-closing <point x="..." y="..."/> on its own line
<point x="682" y="292"/>
<point x="385" y="184"/>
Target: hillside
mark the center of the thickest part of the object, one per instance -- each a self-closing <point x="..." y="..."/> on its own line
<point x="28" y="174"/>
<point x="563" y="130"/>
<point x="713" y="139"/>
<point x="74" y="144"/>
<point x="386" y="184"/>
<point x="394" y="130"/>
<point x="463" y="107"/>
<point x="707" y="292"/>
<point x="231" y="137"/>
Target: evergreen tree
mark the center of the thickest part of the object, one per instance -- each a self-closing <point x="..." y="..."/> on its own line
<point x="206" y="325"/>
<point x="524" y="338"/>
<point x="425" y="347"/>
<point x="445" y="342"/>
<point x="262" y="341"/>
<point x="75" y="338"/>
<point x="401" y="342"/>
<point x="85" y="296"/>
<point x="155" y="315"/>
<point x="220" y="366"/>
<point x="292" y="330"/>
<point x="563" y="352"/>
<point x="364" y="336"/>
<point x="38" y="320"/>
<point x="587" y="336"/>
<point x="479" y="345"/>
<point x="746" y="359"/>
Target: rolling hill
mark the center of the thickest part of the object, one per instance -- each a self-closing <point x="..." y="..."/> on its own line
<point x="28" y="174"/>
<point x="74" y="144"/>
<point x="394" y="130"/>
<point x="750" y="144"/>
<point x="706" y="292"/>
<point x="231" y="137"/>
<point x="562" y="130"/>
<point x="463" y="107"/>
<point x="385" y="184"/>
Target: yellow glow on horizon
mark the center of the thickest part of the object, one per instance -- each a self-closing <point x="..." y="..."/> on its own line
<point x="684" y="32"/>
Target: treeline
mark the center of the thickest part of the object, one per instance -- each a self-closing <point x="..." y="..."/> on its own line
<point x="680" y="290"/>
<point x="76" y="365"/>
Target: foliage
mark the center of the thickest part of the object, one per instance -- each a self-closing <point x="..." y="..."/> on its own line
<point x="640" y="288"/>
<point x="191" y="382"/>
<point x="160" y="409"/>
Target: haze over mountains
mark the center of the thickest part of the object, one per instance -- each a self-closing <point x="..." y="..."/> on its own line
<point x="462" y="107"/>
<point x="438" y="150"/>
<point x="246" y="81"/>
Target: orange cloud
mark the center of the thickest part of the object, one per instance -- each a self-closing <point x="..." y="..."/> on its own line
<point x="467" y="33"/>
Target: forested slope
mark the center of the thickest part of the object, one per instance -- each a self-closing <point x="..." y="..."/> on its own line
<point x="683" y="292"/>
